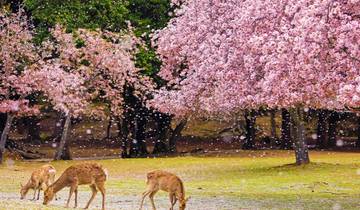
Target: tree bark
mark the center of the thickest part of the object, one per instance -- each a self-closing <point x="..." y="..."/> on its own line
<point x="137" y="145"/>
<point x="163" y="128"/>
<point x="357" y="143"/>
<point x="63" y="150"/>
<point x="2" y="121"/>
<point x="301" y="149"/>
<point x="286" y="141"/>
<point x="123" y="128"/>
<point x="175" y="135"/>
<point x="58" y="128"/>
<point x="273" y="123"/>
<point x="273" y="127"/>
<point x="5" y="134"/>
<point x="321" y="129"/>
<point x="108" y="129"/>
<point x="333" y="118"/>
<point x="33" y="135"/>
<point x="250" y="120"/>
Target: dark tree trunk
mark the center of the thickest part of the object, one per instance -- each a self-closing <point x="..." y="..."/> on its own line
<point x="33" y="130"/>
<point x="333" y="118"/>
<point x="138" y="144"/>
<point x="357" y="144"/>
<point x="286" y="142"/>
<point x="63" y="150"/>
<point x="4" y="135"/>
<point x="108" y="129"/>
<point x="321" y="129"/>
<point x="163" y="125"/>
<point x="273" y="127"/>
<point x="58" y="128"/>
<point x="175" y="135"/>
<point x="2" y="121"/>
<point x="250" y="120"/>
<point x="301" y="149"/>
<point x="123" y="128"/>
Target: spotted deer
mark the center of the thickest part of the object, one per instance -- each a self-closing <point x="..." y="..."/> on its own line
<point x="91" y="174"/>
<point x="40" y="179"/>
<point x="162" y="180"/>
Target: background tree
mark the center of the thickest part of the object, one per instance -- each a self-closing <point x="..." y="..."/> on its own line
<point x="145" y="16"/>
<point x="16" y="54"/>
<point x="249" y="54"/>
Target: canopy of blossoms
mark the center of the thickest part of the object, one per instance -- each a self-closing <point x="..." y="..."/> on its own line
<point x="222" y="56"/>
<point x="105" y="62"/>
<point x="16" y="53"/>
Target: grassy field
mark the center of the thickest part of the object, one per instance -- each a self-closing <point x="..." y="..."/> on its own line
<point x="243" y="180"/>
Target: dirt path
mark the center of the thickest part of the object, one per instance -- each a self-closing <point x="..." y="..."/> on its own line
<point x="121" y="202"/>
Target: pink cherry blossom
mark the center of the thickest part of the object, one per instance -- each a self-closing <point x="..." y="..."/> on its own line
<point x="223" y="56"/>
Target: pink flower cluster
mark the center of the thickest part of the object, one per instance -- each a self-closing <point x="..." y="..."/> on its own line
<point x="100" y="67"/>
<point x="223" y="56"/>
<point x="105" y="62"/>
<point x="16" y="52"/>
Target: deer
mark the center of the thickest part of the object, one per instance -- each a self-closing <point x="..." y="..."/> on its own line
<point x="168" y="182"/>
<point x="92" y="174"/>
<point x="40" y="179"/>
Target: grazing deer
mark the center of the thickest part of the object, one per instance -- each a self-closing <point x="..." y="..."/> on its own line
<point x="162" y="180"/>
<point x="40" y="179"/>
<point x="91" y="174"/>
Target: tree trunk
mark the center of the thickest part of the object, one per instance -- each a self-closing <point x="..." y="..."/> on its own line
<point x="123" y="135"/>
<point x="63" y="151"/>
<point x="301" y="149"/>
<point x="58" y="128"/>
<point x="250" y="120"/>
<point x="137" y="145"/>
<point x="5" y="134"/>
<point x="2" y="121"/>
<point x="163" y="128"/>
<point x="286" y="142"/>
<point x="321" y="129"/>
<point x="357" y="144"/>
<point x="108" y="129"/>
<point x="333" y="118"/>
<point x="273" y="127"/>
<point x="33" y="135"/>
<point x="175" y="135"/>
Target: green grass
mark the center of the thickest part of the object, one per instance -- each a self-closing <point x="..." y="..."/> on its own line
<point x="256" y="179"/>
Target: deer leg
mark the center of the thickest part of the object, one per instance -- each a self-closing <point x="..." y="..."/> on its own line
<point x="34" y="194"/>
<point x="172" y="200"/>
<point x="101" y="187"/>
<point x="73" y="187"/>
<point x="38" y="195"/>
<point x="151" y="196"/>
<point x="94" y="191"/>
<point x="76" y="196"/>
<point x="50" y="182"/>
<point x="146" y="193"/>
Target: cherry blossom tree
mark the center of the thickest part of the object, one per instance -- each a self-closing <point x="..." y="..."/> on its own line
<point x="27" y="69"/>
<point x="16" y="54"/>
<point x="66" y="91"/>
<point x="104" y="62"/>
<point x="222" y="56"/>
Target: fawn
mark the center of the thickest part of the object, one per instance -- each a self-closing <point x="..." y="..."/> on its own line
<point x="91" y="174"/>
<point x="162" y="180"/>
<point x="40" y="179"/>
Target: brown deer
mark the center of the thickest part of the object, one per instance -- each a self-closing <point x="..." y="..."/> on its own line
<point x="40" y="179"/>
<point x="91" y="174"/>
<point x="162" y="180"/>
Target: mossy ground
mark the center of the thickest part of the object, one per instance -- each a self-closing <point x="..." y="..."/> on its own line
<point x="243" y="180"/>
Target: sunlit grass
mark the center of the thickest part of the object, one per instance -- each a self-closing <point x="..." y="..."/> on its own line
<point x="260" y="179"/>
